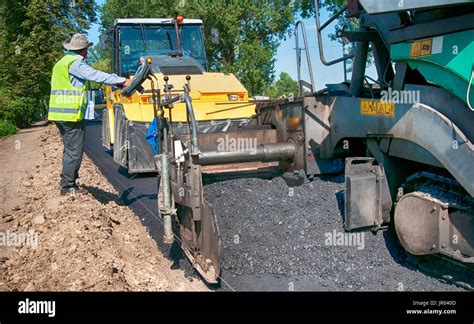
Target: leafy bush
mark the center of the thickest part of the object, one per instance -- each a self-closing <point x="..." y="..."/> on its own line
<point x="21" y="111"/>
<point x="7" y="128"/>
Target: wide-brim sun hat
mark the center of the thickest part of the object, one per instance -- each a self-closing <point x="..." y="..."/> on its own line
<point x="77" y="42"/>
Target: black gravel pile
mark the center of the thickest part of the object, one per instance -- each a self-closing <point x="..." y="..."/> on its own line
<point x="275" y="237"/>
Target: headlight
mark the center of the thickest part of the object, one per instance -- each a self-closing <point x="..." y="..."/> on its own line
<point x="233" y="97"/>
<point x="147" y="100"/>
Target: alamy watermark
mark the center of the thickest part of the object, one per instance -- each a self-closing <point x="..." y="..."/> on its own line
<point x="28" y="306"/>
<point x="400" y="96"/>
<point x="71" y="96"/>
<point x="239" y="144"/>
<point x="336" y="238"/>
<point x="8" y="238"/>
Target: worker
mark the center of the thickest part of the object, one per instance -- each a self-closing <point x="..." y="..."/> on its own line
<point x="69" y="100"/>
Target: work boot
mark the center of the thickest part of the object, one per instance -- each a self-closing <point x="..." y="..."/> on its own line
<point x="72" y="191"/>
<point x="68" y="191"/>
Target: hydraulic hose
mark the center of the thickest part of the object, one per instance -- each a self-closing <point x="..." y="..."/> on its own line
<point x="469" y="89"/>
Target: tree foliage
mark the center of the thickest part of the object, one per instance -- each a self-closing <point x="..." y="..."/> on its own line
<point x="30" y="44"/>
<point x="285" y="86"/>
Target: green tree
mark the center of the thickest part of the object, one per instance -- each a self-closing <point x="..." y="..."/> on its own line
<point x="249" y="31"/>
<point x="284" y="87"/>
<point x="30" y="44"/>
<point x="100" y="60"/>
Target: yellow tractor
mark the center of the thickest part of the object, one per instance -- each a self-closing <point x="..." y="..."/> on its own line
<point x="173" y="49"/>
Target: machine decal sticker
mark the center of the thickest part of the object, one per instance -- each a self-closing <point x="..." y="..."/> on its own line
<point x="377" y="108"/>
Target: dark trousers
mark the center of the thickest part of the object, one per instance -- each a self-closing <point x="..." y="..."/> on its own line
<point x="73" y="135"/>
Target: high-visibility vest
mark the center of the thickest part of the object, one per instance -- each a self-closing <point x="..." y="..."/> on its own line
<point x="66" y="102"/>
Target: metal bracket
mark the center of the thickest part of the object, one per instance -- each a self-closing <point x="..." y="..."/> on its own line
<point x="367" y="200"/>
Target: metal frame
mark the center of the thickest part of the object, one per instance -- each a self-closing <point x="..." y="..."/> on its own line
<point x="320" y="28"/>
<point x="298" y="57"/>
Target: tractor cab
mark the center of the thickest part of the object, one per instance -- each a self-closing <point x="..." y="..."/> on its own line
<point x="172" y="39"/>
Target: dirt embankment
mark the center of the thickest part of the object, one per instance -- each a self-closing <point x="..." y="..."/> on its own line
<point x="75" y="243"/>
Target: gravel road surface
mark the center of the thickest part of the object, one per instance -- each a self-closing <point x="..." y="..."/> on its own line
<point x="276" y="237"/>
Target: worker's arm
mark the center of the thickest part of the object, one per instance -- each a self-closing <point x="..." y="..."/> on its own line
<point x="82" y="70"/>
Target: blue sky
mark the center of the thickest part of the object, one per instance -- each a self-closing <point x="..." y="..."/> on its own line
<point x="286" y="54"/>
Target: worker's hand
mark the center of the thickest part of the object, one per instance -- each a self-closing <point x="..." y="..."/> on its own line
<point x="127" y="82"/>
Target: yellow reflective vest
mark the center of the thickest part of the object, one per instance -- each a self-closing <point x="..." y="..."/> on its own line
<point x="66" y="102"/>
